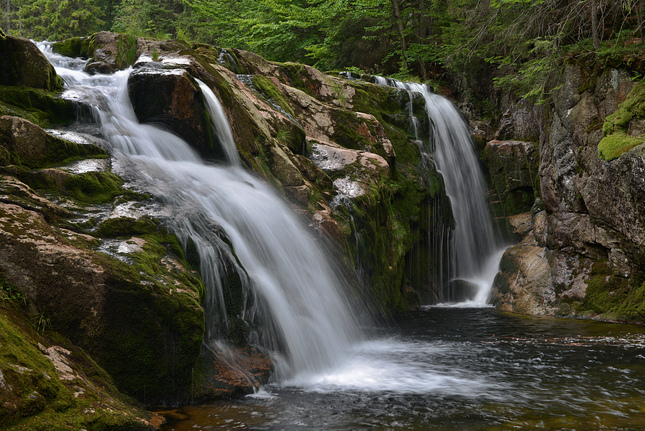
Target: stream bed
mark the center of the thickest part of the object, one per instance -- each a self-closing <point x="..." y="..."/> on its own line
<point x="444" y="368"/>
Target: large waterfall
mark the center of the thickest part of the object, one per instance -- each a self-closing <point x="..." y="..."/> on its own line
<point x="229" y="216"/>
<point x="473" y="253"/>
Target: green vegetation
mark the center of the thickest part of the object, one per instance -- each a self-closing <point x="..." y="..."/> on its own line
<point x="614" y="297"/>
<point x="517" y="44"/>
<point x="616" y="130"/>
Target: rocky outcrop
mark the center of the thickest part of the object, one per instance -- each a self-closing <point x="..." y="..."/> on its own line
<point x="115" y="286"/>
<point x="590" y="234"/>
<point x="339" y="149"/>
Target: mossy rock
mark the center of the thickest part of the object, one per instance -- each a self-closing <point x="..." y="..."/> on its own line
<point x="272" y="93"/>
<point x="71" y="47"/>
<point x="24" y="65"/>
<point x="28" y="145"/>
<point x="47" y="383"/>
<point x="42" y="107"/>
<point x="618" y="138"/>
<point x="613" y="297"/>
<point x="154" y="320"/>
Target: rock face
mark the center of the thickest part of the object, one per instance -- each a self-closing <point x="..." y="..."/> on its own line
<point x="120" y="290"/>
<point x="590" y="234"/>
<point x="513" y="171"/>
<point x="22" y="64"/>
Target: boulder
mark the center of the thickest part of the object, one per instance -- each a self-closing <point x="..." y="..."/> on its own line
<point x="172" y="98"/>
<point x="26" y="144"/>
<point x="141" y="320"/>
<point x="22" y="64"/>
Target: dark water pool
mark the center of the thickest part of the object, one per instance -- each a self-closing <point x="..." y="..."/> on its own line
<point x="457" y="369"/>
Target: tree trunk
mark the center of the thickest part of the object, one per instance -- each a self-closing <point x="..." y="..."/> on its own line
<point x="594" y="25"/>
<point x="396" y="8"/>
<point x="8" y="16"/>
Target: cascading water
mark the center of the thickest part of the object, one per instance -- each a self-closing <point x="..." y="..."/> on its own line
<point x="296" y="293"/>
<point x="473" y="252"/>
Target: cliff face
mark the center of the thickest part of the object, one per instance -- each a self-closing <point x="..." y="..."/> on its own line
<point x="581" y="254"/>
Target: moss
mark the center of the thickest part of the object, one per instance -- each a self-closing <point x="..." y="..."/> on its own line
<point x="271" y="92"/>
<point x="93" y="187"/>
<point x="614" y="297"/>
<point x="35" y="398"/>
<point x="156" y="321"/>
<point x="126" y="51"/>
<point x="613" y="146"/>
<point x="616" y="140"/>
<point x="69" y="47"/>
<point x="39" y="106"/>
<point x="126" y="226"/>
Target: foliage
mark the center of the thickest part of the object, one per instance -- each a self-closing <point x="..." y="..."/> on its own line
<point x="520" y="44"/>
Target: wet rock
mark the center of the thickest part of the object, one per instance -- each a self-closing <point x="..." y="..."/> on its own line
<point x="171" y="97"/>
<point x="122" y="315"/>
<point x="462" y="290"/>
<point x="524" y="282"/>
<point x="26" y="144"/>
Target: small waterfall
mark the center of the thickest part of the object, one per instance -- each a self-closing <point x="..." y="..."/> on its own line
<point x="237" y="224"/>
<point x="473" y="252"/>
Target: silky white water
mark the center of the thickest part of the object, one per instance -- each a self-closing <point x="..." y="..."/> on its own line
<point x="289" y="281"/>
<point x="290" y="285"/>
<point x="473" y="252"/>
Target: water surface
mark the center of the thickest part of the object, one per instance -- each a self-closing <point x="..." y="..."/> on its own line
<point x="458" y="369"/>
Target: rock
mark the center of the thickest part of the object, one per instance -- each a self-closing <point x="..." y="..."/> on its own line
<point x="171" y="97"/>
<point x="54" y="386"/>
<point x="144" y="328"/>
<point x="24" y="65"/>
<point x="462" y="290"/>
<point x="26" y="144"/>
<point x="523" y="283"/>
<point x="513" y="170"/>
<point x="592" y="218"/>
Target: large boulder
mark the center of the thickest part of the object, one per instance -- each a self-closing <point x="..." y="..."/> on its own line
<point x="22" y="64"/>
<point x="24" y="143"/>
<point x="141" y="320"/>
<point x="172" y="98"/>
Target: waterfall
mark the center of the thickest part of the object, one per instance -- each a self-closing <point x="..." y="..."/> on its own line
<point x="236" y="223"/>
<point x="473" y="252"/>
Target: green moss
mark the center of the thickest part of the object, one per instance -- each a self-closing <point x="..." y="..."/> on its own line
<point x="93" y="187"/>
<point x="69" y="47"/>
<point x="614" y="297"/>
<point x="126" y="226"/>
<point x="156" y="321"/>
<point x="35" y="398"/>
<point x="271" y="92"/>
<point x="613" y="146"/>
<point x="616" y="140"/>
<point x="126" y="51"/>
<point x="42" y="107"/>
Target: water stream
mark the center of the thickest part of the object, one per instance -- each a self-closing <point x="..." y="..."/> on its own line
<point x="289" y="282"/>
<point x="455" y="369"/>
<point x="472" y="248"/>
